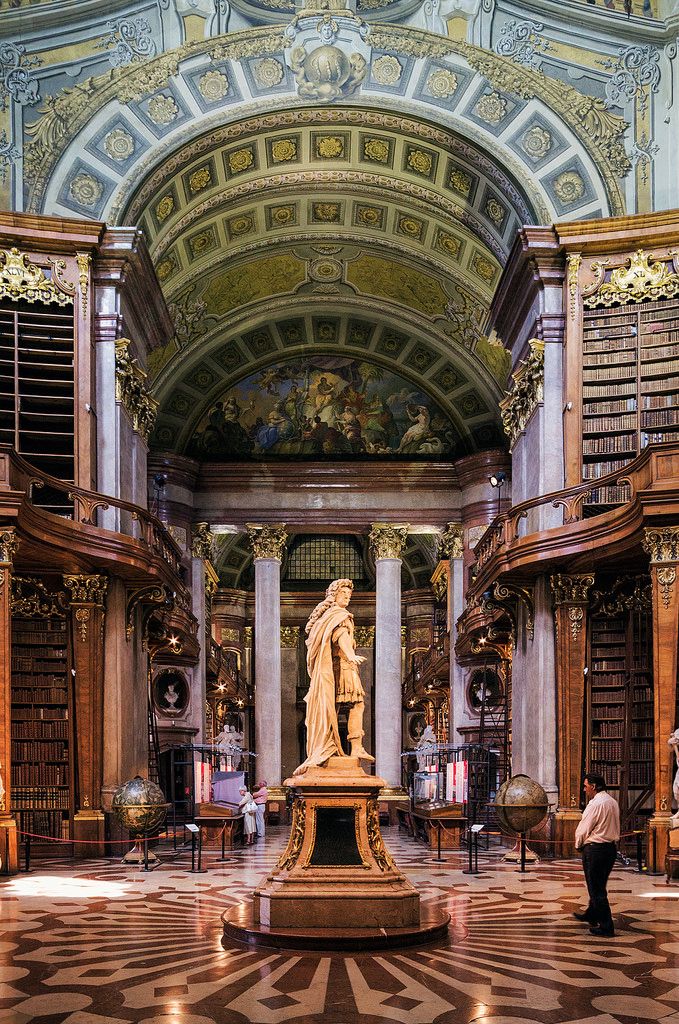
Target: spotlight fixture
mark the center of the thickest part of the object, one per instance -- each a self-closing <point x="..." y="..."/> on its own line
<point x="497" y="479"/>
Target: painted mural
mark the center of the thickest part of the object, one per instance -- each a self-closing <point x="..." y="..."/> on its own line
<point x="324" y="406"/>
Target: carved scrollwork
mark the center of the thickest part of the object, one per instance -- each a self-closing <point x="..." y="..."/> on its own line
<point x="377" y="847"/>
<point x="574" y="261"/>
<point x="87" y="589"/>
<point x="626" y="593"/>
<point x="666" y="576"/>
<point x="387" y="540"/>
<point x="201" y="541"/>
<point x="505" y="593"/>
<point x="22" y="280"/>
<point x="451" y="541"/>
<point x="83" y="259"/>
<point x="525" y="392"/>
<point x="662" y="544"/>
<point x="32" y="600"/>
<point x="571" y="589"/>
<point x="290" y="855"/>
<point x="267" y="541"/>
<point x="131" y="390"/>
<point x="643" y="278"/>
<point x="9" y="542"/>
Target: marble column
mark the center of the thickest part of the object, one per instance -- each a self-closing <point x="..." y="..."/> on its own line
<point x="202" y="585"/>
<point x="662" y="544"/>
<point x="387" y="541"/>
<point x="9" y="854"/>
<point x="268" y="545"/>
<point x="452" y="546"/>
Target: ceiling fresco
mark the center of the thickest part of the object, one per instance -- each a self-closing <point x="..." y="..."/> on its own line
<point x="324" y="406"/>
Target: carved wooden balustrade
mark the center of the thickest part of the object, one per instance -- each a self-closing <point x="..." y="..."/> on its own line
<point x="510" y="530"/>
<point x="18" y="475"/>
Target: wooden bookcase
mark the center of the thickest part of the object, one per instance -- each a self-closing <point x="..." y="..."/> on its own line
<point x="42" y="726"/>
<point x="630" y="388"/>
<point x="619" y="696"/>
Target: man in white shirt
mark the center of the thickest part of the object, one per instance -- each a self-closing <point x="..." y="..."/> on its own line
<point x="597" y="835"/>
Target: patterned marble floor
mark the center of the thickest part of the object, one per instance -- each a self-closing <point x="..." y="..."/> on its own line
<point x="97" y="943"/>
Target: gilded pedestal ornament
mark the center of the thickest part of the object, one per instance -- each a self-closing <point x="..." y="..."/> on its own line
<point x="525" y="392"/>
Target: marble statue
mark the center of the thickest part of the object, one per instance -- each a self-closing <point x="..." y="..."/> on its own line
<point x="229" y="740"/>
<point x="333" y="664"/>
<point x="673" y="742"/>
<point x="426" y="746"/>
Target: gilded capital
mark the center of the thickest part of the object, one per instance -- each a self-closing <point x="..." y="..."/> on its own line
<point x="388" y="540"/>
<point x="201" y="541"/>
<point x="87" y="589"/>
<point x="662" y="544"/>
<point x="9" y="543"/>
<point x="570" y="589"/>
<point x="267" y="541"/>
<point x="290" y="637"/>
<point x="451" y="541"/>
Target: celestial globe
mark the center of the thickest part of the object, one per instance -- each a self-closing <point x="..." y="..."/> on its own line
<point x="139" y="806"/>
<point x="521" y="804"/>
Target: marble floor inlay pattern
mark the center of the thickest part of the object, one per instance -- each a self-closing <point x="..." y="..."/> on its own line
<point x="92" y="942"/>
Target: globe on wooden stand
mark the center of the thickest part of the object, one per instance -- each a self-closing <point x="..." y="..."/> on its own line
<point x="139" y="806"/>
<point x="521" y="804"/>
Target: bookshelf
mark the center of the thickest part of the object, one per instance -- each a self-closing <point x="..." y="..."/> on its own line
<point x="37" y="389"/>
<point x="41" y="726"/>
<point x="630" y="388"/>
<point x="620" y="702"/>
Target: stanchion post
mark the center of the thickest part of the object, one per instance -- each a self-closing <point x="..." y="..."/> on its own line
<point x="193" y="852"/>
<point x="200" y="849"/>
<point x="224" y="841"/>
<point x="27" y="852"/>
<point x="6" y="863"/>
<point x="146" y="853"/>
<point x="522" y="844"/>
<point x="639" y="854"/>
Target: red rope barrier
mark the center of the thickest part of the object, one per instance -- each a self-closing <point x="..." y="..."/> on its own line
<point x="93" y="842"/>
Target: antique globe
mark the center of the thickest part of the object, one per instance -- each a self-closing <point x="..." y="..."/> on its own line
<point x="521" y="804"/>
<point x="139" y="806"/>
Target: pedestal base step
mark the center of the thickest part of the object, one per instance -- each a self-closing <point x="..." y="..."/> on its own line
<point x="240" y="926"/>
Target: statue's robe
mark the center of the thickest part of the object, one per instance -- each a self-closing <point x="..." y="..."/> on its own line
<point x="323" y="740"/>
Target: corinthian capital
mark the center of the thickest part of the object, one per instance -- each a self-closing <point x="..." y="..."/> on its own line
<point x="570" y="589"/>
<point x="388" y="540"/>
<point x="451" y="541"/>
<point x="201" y="541"/>
<point x="8" y="545"/>
<point x="662" y="544"/>
<point x="87" y="589"/>
<point x="267" y="541"/>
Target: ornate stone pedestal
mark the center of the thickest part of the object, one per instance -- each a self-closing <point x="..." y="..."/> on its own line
<point x="335" y="884"/>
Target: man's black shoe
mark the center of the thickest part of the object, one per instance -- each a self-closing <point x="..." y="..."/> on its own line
<point x="602" y="931"/>
<point x="582" y="916"/>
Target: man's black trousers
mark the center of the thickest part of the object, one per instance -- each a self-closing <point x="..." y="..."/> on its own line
<point x="597" y="862"/>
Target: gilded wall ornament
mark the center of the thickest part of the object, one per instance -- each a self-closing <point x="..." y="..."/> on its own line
<point x="290" y="855"/>
<point x="202" y="540"/>
<point x="575" y="620"/>
<point x="241" y="160"/>
<point x="666" y="576"/>
<point x="9" y="542"/>
<point x="388" y="540"/>
<point x="441" y="83"/>
<point x="375" y="841"/>
<point x="640" y="280"/>
<point x="86" y="589"/>
<point x="449" y="244"/>
<point x="525" y="392"/>
<point x="132" y="392"/>
<point x="22" y="280"/>
<point x="460" y="182"/>
<point x="283" y="150"/>
<point x="574" y="260"/>
<point x="326" y="270"/>
<point x="483" y="267"/>
<point x="662" y="543"/>
<point x="164" y="207"/>
<point x="364" y="636"/>
<point x="491" y="108"/>
<point x="439" y="583"/>
<point x="162" y="110"/>
<point x="536" y="142"/>
<point x="495" y="211"/>
<point x="290" y="637"/>
<point x="213" y="86"/>
<point x="451" y="541"/>
<point x="329" y="147"/>
<point x="268" y="72"/>
<point x="376" y="150"/>
<point x="569" y="187"/>
<point x="571" y="588"/>
<point x="129" y="40"/>
<point x="82" y="618"/>
<point x="326" y="73"/>
<point x="326" y="213"/>
<point x="230" y="635"/>
<point x="410" y="226"/>
<point x="267" y="541"/>
<point x="119" y="144"/>
<point x="200" y="179"/>
<point x="32" y="600"/>
<point x="386" y="70"/>
<point x="371" y="216"/>
<point x="85" y="189"/>
<point x="419" y="161"/>
<point x="84" y="260"/>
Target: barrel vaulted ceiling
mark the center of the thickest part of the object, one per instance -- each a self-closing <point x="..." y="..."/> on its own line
<point x="286" y="224"/>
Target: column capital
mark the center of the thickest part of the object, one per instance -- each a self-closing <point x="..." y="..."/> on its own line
<point x="267" y="541"/>
<point x="86" y="589"/>
<point x="662" y="543"/>
<point x="201" y="541"/>
<point x="9" y="542"/>
<point x="387" y="540"/>
<point x="570" y="589"/>
<point x="451" y="541"/>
